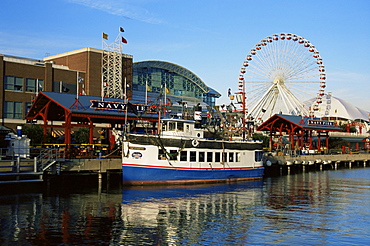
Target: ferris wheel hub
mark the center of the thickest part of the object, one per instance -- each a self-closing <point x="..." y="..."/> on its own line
<point x="278" y="81"/>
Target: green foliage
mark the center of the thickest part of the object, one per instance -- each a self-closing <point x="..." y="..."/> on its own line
<point x="265" y="139"/>
<point x="34" y="132"/>
<point x="81" y="135"/>
<point x="337" y="143"/>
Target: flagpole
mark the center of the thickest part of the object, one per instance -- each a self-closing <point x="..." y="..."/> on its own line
<point x="37" y="87"/>
<point x="146" y="92"/>
<point x="165" y="93"/>
<point x="126" y="104"/>
<point x="165" y="98"/>
<point x="77" y="85"/>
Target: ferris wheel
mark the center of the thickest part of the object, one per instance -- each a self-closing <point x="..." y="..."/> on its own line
<point x="279" y="75"/>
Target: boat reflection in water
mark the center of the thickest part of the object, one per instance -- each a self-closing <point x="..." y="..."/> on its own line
<point x="190" y="215"/>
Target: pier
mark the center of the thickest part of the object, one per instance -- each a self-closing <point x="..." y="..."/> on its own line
<point x="286" y="164"/>
<point x="52" y="163"/>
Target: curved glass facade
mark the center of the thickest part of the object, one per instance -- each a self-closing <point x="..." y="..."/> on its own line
<point x="155" y="76"/>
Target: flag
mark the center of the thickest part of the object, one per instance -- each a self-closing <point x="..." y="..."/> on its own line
<point x="105" y="36"/>
<point x="124" y="40"/>
<point x="148" y="88"/>
<point x="229" y="92"/>
<point x="121" y="29"/>
<point x="167" y="90"/>
<point x="131" y="108"/>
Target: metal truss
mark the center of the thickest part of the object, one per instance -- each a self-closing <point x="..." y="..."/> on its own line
<point x="112" y="69"/>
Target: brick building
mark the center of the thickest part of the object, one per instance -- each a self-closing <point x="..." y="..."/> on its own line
<point x="22" y="78"/>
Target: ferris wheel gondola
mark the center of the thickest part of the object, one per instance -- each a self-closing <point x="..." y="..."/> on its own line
<point x="281" y="73"/>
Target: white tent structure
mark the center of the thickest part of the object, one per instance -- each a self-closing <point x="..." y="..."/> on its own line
<point x="338" y="108"/>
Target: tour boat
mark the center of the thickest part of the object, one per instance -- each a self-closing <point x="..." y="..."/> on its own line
<point x="180" y="154"/>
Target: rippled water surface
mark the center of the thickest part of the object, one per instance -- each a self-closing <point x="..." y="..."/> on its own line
<point x="314" y="208"/>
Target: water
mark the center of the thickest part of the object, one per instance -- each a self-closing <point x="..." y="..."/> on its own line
<point x="314" y="208"/>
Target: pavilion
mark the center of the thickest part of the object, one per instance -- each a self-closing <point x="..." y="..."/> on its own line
<point x="299" y="131"/>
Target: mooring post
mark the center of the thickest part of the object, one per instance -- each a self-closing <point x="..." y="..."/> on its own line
<point x="35" y="164"/>
<point x="18" y="164"/>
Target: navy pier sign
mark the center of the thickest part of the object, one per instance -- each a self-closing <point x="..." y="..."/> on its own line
<point x="320" y="123"/>
<point x="105" y="105"/>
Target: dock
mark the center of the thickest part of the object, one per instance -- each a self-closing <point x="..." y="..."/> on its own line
<point x="52" y="162"/>
<point x="288" y="163"/>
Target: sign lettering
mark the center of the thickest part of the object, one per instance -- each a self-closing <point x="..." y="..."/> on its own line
<point x="117" y="106"/>
<point x="320" y="123"/>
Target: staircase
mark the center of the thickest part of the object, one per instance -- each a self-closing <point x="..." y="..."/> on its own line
<point x="27" y="171"/>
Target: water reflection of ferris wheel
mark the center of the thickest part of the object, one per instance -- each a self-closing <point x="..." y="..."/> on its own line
<point x="279" y="74"/>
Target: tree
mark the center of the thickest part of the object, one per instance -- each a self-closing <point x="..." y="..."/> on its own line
<point x="337" y="143"/>
<point x="265" y="139"/>
<point x="82" y="135"/>
<point x="34" y="132"/>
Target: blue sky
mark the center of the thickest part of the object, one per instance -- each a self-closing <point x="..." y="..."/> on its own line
<point x="209" y="37"/>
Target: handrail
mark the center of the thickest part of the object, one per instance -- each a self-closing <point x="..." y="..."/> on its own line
<point x="48" y="157"/>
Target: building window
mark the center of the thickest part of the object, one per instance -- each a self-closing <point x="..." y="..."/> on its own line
<point x="63" y="87"/>
<point x="33" y="85"/>
<point x="28" y="107"/>
<point x="13" y="83"/>
<point x="13" y="110"/>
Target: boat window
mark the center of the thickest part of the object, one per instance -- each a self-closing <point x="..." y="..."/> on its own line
<point x="164" y="126"/>
<point x="217" y="157"/>
<point x="161" y="155"/>
<point x="237" y="157"/>
<point x="201" y="156"/>
<point x="209" y="157"/>
<point x="180" y="126"/>
<point x="258" y="155"/>
<point x="183" y="156"/>
<point x="187" y="127"/>
<point x="173" y="155"/>
<point x="171" y="126"/>
<point x="231" y="157"/>
<point x="193" y="156"/>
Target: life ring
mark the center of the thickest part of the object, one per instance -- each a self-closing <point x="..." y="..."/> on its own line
<point x="195" y="142"/>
